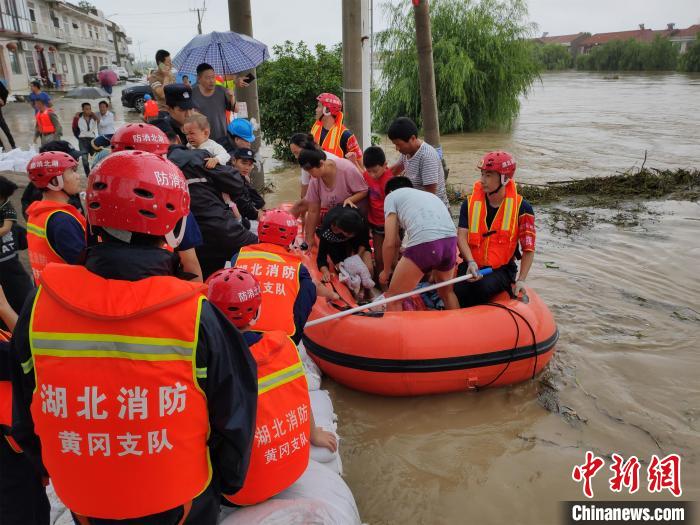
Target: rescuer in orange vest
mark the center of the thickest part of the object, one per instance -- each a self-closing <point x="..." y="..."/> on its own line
<point x="496" y="227"/>
<point x="48" y="127"/>
<point x="56" y="230"/>
<point x="288" y="292"/>
<point x="330" y="132"/>
<point x="22" y="493"/>
<point x="284" y="422"/>
<point x="130" y="388"/>
<point x="150" y="108"/>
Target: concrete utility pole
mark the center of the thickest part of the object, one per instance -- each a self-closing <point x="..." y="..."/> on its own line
<point x="352" y="66"/>
<point x="241" y="21"/>
<point x="200" y="15"/>
<point x="426" y="74"/>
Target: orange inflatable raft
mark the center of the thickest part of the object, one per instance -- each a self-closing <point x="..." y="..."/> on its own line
<point x="430" y="352"/>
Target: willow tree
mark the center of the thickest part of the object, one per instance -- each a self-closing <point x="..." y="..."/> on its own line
<point x="483" y="63"/>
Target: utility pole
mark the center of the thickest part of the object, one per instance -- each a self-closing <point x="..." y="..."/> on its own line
<point x="426" y="74"/>
<point x="241" y="21"/>
<point x="352" y="66"/>
<point x="200" y="16"/>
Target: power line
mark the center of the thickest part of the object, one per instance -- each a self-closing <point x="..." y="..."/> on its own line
<point x="200" y="15"/>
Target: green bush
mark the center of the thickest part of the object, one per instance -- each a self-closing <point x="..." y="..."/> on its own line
<point x="690" y="60"/>
<point x="288" y="87"/>
<point x="631" y="55"/>
<point x="483" y="63"/>
<point x="552" y="56"/>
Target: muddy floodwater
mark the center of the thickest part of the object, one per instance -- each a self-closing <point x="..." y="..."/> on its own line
<point x="623" y="286"/>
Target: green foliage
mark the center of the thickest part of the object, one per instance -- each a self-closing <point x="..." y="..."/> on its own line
<point x="631" y="55"/>
<point x="288" y="87"/>
<point x="552" y="56"/>
<point x="483" y="63"/>
<point x="690" y="60"/>
<point x="86" y="6"/>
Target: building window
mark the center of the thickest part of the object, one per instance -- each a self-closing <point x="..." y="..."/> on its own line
<point x="31" y="66"/>
<point x="75" y="26"/>
<point x="82" y="63"/>
<point x="14" y="62"/>
<point x="66" y="25"/>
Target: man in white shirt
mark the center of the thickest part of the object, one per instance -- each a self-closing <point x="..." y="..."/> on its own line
<point x="87" y="124"/>
<point x="419" y="161"/>
<point x="105" y="124"/>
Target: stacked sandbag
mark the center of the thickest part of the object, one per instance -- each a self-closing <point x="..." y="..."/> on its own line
<point x="319" y="496"/>
<point x="16" y="159"/>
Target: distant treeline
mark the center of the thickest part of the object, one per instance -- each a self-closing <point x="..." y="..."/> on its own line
<point x="622" y="55"/>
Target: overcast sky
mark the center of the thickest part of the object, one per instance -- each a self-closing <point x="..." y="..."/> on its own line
<point x="169" y="24"/>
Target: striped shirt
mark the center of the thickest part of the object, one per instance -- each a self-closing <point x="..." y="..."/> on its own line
<point x="425" y="168"/>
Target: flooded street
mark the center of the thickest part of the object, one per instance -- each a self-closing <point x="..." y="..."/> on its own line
<point x="625" y="295"/>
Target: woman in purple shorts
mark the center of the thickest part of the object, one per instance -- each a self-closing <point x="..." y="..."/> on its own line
<point x="430" y="237"/>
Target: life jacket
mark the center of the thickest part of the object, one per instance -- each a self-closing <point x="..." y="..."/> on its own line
<point x="331" y="142"/>
<point x="122" y="421"/>
<point x="43" y="122"/>
<point x="150" y="109"/>
<point x="40" y="250"/>
<point x="6" y="396"/>
<point x="494" y="247"/>
<point x="283" y="421"/>
<point x="277" y="271"/>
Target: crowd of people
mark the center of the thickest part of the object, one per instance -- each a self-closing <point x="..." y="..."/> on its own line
<point x="154" y="345"/>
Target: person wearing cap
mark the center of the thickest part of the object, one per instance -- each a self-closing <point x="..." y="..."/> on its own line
<point x="244" y="161"/>
<point x="56" y="230"/>
<point x="179" y="106"/>
<point x="101" y="146"/>
<point x="32" y="193"/>
<point x="223" y="234"/>
<point x="150" y="108"/>
<point x="161" y="77"/>
<point x="331" y="134"/>
<point x="158" y="417"/>
<point x="241" y="134"/>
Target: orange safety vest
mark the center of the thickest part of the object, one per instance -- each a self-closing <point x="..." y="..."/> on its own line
<point x="283" y="421"/>
<point x="494" y="247"/>
<point x="332" y="141"/>
<point x="122" y="421"/>
<point x="43" y="122"/>
<point x="40" y="250"/>
<point x="277" y="271"/>
<point x="6" y="401"/>
<point x="150" y="109"/>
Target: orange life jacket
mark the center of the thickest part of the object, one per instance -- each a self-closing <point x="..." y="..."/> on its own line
<point x="332" y="141"/>
<point x="43" y="122"/>
<point x="122" y="421"/>
<point x="277" y="271"/>
<point x="40" y="250"/>
<point x="150" y="109"/>
<point x="283" y="421"/>
<point x="494" y="247"/>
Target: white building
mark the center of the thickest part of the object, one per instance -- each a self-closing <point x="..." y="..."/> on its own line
<point x="54" y="40"/>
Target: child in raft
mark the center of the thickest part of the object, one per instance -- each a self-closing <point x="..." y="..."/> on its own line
<point x="430" y="238"/>
<point x="376" y="175"/>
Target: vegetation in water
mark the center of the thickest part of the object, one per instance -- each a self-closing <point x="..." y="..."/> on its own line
<point x="552" y="57"/>
<point x="483" y="63"/>
<point x="690" y="60"/>
<point x="630" y="55"/>
<point x="288" y="86"/>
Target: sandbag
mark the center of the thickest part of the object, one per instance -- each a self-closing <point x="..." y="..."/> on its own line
<point x="319" y="496"/>
<point x="7" y="165"/>
<point x="313" y="373"/>
<point x="322" y="408"/>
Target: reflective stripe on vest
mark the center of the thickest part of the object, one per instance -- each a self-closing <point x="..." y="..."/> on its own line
<point x="277" y="271"/>
<point x="40" y="250"/>
<point x="331" y="142"/>
<point x="122" y="420"/>
<point x="283" y="421"/>
<point x="496" y="246"/>
<point x="43" y="122"/>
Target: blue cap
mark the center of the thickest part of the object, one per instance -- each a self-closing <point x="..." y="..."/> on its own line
<point x="240" y="127"/>
<point x="147" y="97"/>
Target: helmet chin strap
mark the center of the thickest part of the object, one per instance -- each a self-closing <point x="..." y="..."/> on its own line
<point x="58" y="186"/>
<point x="503" y="183"/>
<point x="174" y="241"/>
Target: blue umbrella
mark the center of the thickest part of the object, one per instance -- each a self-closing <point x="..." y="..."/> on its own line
<point x="227" y="52"/>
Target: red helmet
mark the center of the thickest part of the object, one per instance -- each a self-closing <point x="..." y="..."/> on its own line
<point x="237" y="294"/>
<point x="47" y="166"/>
<point x="142" y="137"/>
<point x="139" y="192"/>
<point x="278" y="227"/>
<point x="332" y="104"/>
<point x="500" y="162"/>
